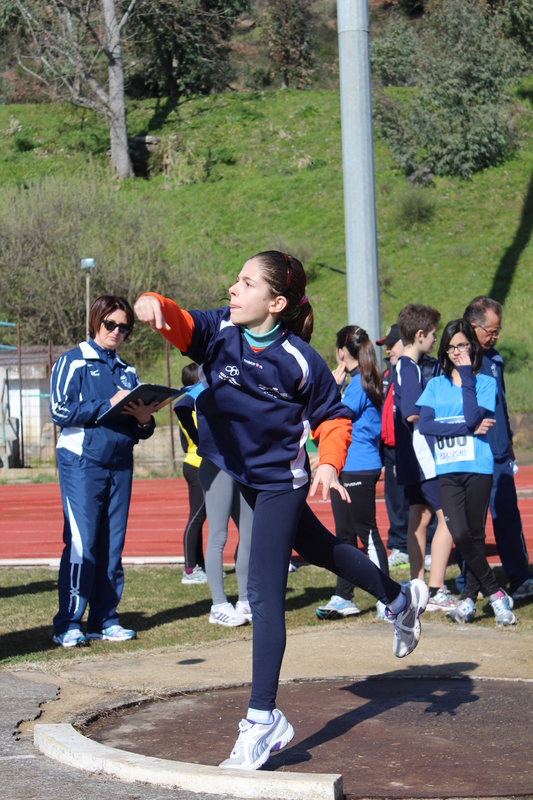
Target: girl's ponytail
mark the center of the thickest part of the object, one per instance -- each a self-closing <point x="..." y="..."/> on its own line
<point x="358" y="344"/>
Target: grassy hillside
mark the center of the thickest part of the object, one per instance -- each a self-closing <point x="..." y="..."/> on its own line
<point x="242" y="172"/>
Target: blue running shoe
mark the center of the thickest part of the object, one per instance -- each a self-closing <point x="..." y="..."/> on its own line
<point x="337" y="607"/>
<point x="116" y="633"/>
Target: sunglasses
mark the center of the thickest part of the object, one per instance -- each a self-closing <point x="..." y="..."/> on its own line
<point x="110" y="326"/>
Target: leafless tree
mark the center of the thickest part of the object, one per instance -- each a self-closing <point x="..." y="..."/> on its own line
<point x="70" y="45"/>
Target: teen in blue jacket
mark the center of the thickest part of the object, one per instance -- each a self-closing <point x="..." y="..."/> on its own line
<point x="95" y="466"/>
<point x="454" y="408"/>
<point x="360" y="474"/>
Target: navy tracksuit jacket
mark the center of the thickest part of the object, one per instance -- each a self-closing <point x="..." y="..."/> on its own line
<point x="95" y="464"/>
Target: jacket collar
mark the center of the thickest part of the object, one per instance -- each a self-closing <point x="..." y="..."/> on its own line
<point x="92" y="352"/>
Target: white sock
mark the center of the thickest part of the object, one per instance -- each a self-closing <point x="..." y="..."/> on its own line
<point x="399" y="604"/>
<point x="256" y="715"/>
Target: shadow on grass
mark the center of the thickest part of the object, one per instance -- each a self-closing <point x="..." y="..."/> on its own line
<point x="503" y="279"/>
<point x="39" y="639"/>
<point x="161" y="114"/>
<point x="37" y="587"/>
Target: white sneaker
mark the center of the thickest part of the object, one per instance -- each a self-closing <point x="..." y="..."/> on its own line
<point x="196" y="576"/>
<point x="243" y="607"/>
<point x="256" y="742"/>
<point x="442" y="601"/>
<point x="502" y="605"/>
<point x="380" y="610"/>
<point x="72" y="638"/>
<point x="398" y="559"/>
<point x="225" y="614"/>
<point x="406" y="624"/>
<point x="337" y="607"/>
<point x="115" y="633"/>
<point x="427" y="562"/>
<point x="464" y="612"/>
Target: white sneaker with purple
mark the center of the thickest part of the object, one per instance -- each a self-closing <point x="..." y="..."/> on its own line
<point x="256" y="742"/>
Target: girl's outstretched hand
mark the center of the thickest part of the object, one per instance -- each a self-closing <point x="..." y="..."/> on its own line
<point x="148" y="310"/>
<point x="327" y="476"/>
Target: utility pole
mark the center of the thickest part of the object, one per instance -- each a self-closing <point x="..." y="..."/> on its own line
<point x="88" y="264"/>
<point x="358" y="167"/>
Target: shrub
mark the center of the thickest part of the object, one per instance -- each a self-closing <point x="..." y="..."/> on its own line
<point x="393" y="54"/>
<point x="517" y="19"/>
<point x="47" y="227"/>
<point x="414" y="204"/>
<point x="412" y="7"/>
<point x="458" y="121"/>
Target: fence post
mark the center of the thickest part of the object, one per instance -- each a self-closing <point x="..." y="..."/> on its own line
<point x="170" y="409"/>
<point x="21" y="433"/>
<point x="50" y="365"/>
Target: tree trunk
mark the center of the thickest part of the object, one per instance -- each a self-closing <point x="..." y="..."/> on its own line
<point x="116" y="115"/>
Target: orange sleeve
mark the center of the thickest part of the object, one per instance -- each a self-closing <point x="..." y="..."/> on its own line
<point x="334" y="438"/>
<point x="180" y="322"/>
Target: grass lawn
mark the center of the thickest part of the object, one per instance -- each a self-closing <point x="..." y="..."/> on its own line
<point x="165" y="613"/>
<point x="243" y="172"/>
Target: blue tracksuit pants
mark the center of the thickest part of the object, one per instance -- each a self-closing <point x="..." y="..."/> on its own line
<point x="283" y="520"/>
<point x="96" y="502"/>
<point x="507" y="524"/>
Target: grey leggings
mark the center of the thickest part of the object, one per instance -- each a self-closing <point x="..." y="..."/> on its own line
<point x="222" y="500"/>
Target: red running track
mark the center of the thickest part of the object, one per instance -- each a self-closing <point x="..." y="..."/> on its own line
<point x="31" y="519"/>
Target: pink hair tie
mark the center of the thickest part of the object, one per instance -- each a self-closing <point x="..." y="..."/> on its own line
<point x="303" y="301"/>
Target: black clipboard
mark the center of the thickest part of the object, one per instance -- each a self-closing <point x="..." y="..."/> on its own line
<point x="147" y="392"/>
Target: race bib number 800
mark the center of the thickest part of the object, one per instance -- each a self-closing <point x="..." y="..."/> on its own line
<point x="453" y="449"/>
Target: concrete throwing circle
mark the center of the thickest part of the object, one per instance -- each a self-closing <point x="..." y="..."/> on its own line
<point x="425" y="737"/>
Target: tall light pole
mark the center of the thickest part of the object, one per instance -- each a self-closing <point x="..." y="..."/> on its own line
<point x="88" y="264"/>
<point x="358" y="166"/>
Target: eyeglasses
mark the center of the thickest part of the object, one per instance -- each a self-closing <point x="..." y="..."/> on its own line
<point x="493" y="334"/>
<point x="110" y="326"/>
<point x="462" y="347"/>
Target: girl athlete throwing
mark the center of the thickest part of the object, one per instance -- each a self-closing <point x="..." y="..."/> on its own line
<point x="265" y="389"/>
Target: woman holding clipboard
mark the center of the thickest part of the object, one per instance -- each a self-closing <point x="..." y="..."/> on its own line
<point x="95" y="466"/>
<point x="455" y="408"/>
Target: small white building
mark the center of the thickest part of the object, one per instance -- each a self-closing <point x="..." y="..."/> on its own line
<point x="36" y="431"/>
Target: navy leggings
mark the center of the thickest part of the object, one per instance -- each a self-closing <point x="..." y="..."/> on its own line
<point x="282" y="522"/>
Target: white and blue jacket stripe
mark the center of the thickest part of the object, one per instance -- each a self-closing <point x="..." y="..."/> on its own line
<point x="82" y="383"/>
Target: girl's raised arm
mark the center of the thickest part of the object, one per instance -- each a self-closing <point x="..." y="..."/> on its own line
<point x="166" y="317"/>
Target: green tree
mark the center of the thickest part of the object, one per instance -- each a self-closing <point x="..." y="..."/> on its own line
<point x="393" y="54"/>
<point x="517" y="17"/>
<point x="183" y="46"/>
<point x="289" y="36"/>
<point x="46" y="227"/>
<point x="412" y="7"/>
<point x="74" y="47"/>
<point x="457" y="121"/>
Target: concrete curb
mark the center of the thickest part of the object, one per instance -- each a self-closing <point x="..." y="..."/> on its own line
<point x="63" y="743"/>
